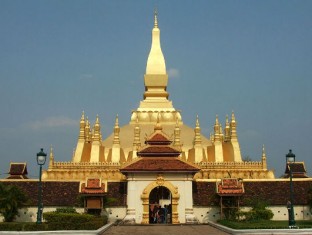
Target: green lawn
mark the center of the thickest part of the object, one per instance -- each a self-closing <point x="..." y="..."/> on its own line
<point x="265" y="224"/>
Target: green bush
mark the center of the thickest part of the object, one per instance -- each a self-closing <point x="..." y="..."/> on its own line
<point x="66" y="210"/>
<point x="58" y="217"/>
<point x="35" y="227"/>
<point x="11" y="226"/>
<point x="255" y="215"/>
<point x="73" y="221"/>
<point x="93" y="224"/>
<point x="258" y="212"/>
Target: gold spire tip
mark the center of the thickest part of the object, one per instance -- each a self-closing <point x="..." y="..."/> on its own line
<point x="155" y="18"/>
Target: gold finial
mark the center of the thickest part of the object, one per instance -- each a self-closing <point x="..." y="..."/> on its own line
<point x="226" y="119"/>
<point x="116" y="121"/>
<point x="82" y="116"/>
<point x="155" y="18"/>
<point x="263" y="151"/>
<point x="97" y="121"/>
<point x="51" y="151"/>
<point x="217" y="120"/>
<point x="197" y="121"/>
<point x="233" y="117"/>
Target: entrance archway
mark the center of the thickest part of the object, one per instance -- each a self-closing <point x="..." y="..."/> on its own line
<point x="160" y="205"/>
<point x="145" y="196"/>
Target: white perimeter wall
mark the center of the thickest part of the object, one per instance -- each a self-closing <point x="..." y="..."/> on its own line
<point x="204" y="214"/>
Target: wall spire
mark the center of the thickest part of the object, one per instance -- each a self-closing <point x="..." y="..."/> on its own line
<point x="51" y="162"/>
<point x="263" y="159"/>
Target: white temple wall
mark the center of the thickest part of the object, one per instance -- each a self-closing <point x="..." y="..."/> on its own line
<point x="137" y="184"/>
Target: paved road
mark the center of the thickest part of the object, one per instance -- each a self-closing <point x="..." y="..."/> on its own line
<point x="163" y="230"/>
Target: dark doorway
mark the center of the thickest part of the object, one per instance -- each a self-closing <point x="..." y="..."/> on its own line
<point x="160" y="206"/>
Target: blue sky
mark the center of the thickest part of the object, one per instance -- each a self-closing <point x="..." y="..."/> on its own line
<point x="58" y="58"/>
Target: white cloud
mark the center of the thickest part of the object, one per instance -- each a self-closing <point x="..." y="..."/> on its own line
<point x="173" y="73"/>
<point x="52" y="122"/>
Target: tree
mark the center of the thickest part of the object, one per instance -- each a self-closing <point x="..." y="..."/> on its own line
<point x="11" y="199"/>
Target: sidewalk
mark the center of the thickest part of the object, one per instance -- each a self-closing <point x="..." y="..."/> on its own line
<point x="211" y="229"/>
<point x="164" y="230"/>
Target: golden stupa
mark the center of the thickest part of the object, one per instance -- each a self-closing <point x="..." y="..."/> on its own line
<point x="218" y="156"/>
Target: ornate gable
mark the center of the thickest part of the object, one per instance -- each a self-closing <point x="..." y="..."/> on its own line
<point x="93" y="186"/>
<point x="230" y="187"/>
<point x="18" y="171"/>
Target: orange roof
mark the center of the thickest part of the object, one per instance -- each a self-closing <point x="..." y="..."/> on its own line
<point x="159" y="150"/>
<point x="158" y="138"/>
<point x="159" y="164"/>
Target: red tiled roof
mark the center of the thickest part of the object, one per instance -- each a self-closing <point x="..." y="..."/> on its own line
<point x="93" y="183"/>
<point x="298" y="170"/>
<point x="95" y="190"/>
<point x="18" y="171"/>
<point x="158" y="138"/>
<point x="159" y="164"/>
<point x="158" y="150"/>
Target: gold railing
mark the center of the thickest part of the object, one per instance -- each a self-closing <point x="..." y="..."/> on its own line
<point x="230" y="165"/>
<point x="73" y="165"/>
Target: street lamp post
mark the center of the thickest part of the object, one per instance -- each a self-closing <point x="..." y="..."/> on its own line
<point x="290" y="159"/>
<point x="41" y="158"/>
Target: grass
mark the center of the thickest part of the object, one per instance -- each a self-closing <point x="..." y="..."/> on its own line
<point x="264" y="224"/>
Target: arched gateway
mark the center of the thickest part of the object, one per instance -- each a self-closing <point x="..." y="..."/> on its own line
<point x="145" y="196"/>
<point x="158" y="165"/>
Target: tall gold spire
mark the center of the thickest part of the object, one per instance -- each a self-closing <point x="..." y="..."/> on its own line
<point x="88" y="131"/>
<point x="116" y="131"/>
<point x="156" y="61"/>
<point x="156" y="78"/>
<point x="197" y="139"/>
<point x="227" y="131"/>
<point x="233" y="127"/>
<point x="82" y="127"/>
<point x="217" y="130"/>
<point x="97" y="130"/>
